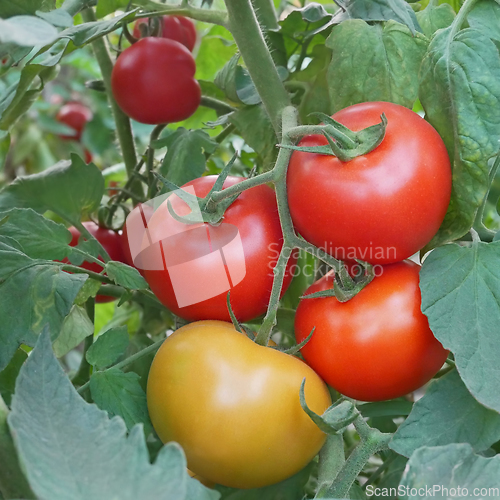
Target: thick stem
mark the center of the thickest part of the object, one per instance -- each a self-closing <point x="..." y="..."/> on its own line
<point x="123" y="127"/>
<point x="266" y="14"/>
<point x="461" y="17"/>
<point x="331" y="461"/>
<point x="220" y="106"/>
<point x="211" y="16"/>
<point x="246" y="31"/>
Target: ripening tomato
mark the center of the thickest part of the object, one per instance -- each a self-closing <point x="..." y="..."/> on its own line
<point x="109" y="239"/>
<point x="381" y="207"/>
<point x="75" y="116"/>
<point x="178" y="28"/>
<point x="234" y="406"/>
<point x="194" y="266"/>
<point x="153" y="81"/>
<point x="376" y="346"/>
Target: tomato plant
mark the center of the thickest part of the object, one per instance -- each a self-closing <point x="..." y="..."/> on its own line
<point x="178" y="28"/>
<point x="75" y="115"/>
<point x="378" y="345"/>
<point x="376" y="206"/>
<point x="248" y="266"/>
<point x="208" y="366"/>
<point x="111" y="242"/>
<point x="152" y="81"/>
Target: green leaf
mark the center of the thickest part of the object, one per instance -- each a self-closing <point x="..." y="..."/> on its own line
<point x="62" y="441"/>
<point x="450" y="467"/>
<point x="256" y="129"/>
<point x="27" y="31"/>
<point x="30" y="298"/>
<point x="485" y="17"/>
<point x="447" y="413"/>
<point x="379" y="10"/>
<point x="461" y="298"/>
<point x="57" y="17"/>
<point x="435" y="17"/>
<point x="185" y="159"/>
<point x="8" y="8"/>
<point x="105" y="7"/>
<point x="225" y="78"/>
<point x="68" y="189"/>
<point x="125" y="276"/>
<point x="120" y="394"/>
<point x="75" y="328"/>
<point x="4" y="147"/>
<point x="108" y="347"/>
<point x="374" y="63"/>
<point x="460" y="92"/>
<point x="39" y="237"/>
<point x="9" y="374"/>
<point x="89" y="289"/>
<point x="393" y="408"/>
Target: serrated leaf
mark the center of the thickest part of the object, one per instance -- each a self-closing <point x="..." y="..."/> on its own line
<point x="49" y="421"/>
<point x="32" y="294"/>
<point x="75" y="328"/>
<point x="67" y="188"/>
<point x="379" y="10"/>
<point x="485" y="17"/>
<point x="460" y="92"/>
<point x="120" y="394"/>
<point x="374" y="63"/>
<point x="185" y="159"/>
<point x="447" y="413"/>
<point x="256" y="129"/>
<point x="9" y="374"/>
<point x="435" y="17"/>
<point x="39" y="237"/>
<point x="108" y="347"/>
<point x="461" y="298"/>
<point x="450" y="466"/>
<point x="125" y="276"/>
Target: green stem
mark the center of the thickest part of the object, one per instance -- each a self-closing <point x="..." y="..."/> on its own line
<point x="123" y="127"/>
<point x="380" y="470"/>
<point x="220" y="106"/>
<point x="331" y="461"/>
<point x="150" y="158"/>
<point x="79" y="270"/>
<point x="211" y="16"/>
<point x="461" y="17"/>
<point x="243" y="186"/>
<point x="266" y="14"/>
<point x="122" y="364"/>
<point x="246" y="31"/>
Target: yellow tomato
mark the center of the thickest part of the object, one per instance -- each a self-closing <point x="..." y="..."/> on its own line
<point x="234" y="405"/>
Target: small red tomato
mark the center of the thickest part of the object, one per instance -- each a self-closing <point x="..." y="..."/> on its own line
<point x="153" y="81"/>
<point x="376" y="346"/>
<point x="109" y="239"/>
<point x="178" y="28"/>
<point x="75" y="116"/>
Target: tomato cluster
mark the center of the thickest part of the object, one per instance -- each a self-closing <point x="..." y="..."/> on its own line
<point x="153" y="80"/>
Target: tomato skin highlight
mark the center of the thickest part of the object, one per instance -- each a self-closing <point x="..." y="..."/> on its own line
<point x="153" y="81"/>
<point x="109" y="239"/>
<point x="255" y="215"/>
<point x="75" y="116"/>
<point x="234" y="405"/>
<point x="381" y="207"/>
<point x="376" y="346"/>
<point x="178" y="28"/>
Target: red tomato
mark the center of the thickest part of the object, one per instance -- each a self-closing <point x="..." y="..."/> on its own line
<point x="178" y="28"/>
<point x="381" y="207"/>
<point x="197" y="265"/>
<point x="111" y="243"/>
<point x="377" y="345"/>
<point x="153" y="81"/>
<point x="75" y="116"/>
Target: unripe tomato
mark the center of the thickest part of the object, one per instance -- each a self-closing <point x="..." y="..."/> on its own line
<point x="234" y="406"/>
<point x="381" y="207"/>
<point x="109" y="239"/>
<point x="192" y="257"/>
<point x="75" y="116"/>
<point x="178" y="28"/>
<point x="153" y="81"/>
<point x="376" y="346"/>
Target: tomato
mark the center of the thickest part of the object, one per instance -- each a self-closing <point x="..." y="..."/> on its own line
<point x="111" y="243"/>
<point x="376" y="346"/>
<point x="381" y="207"/>
<point x="178" y="28"/>
<point x="75" y="116"/>
<point x="153" y="81"/>
<point x="199" y="264"/>
<point x="234" y="406"/>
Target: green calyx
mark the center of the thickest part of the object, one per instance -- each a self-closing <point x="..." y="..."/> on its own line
<point x="344" y="143"/>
